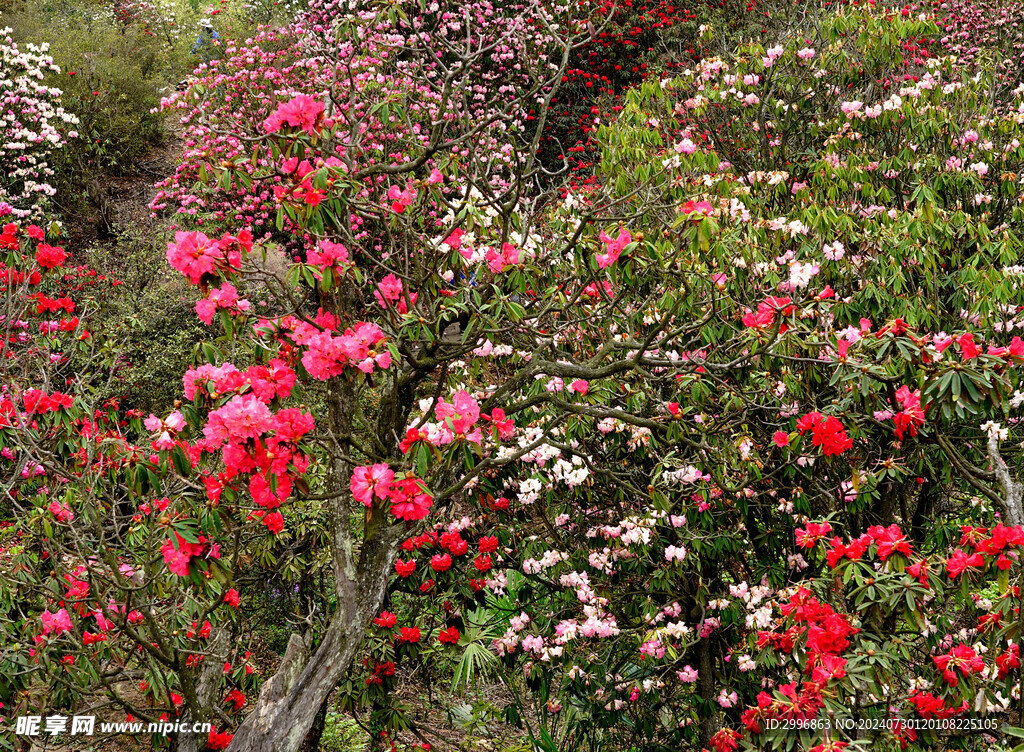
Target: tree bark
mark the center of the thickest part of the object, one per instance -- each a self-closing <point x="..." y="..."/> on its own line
<point x="706" y="688"/>
<point x="206" y="692"/>
<point x="312" y="741"/>
<point x="1013" y="492"/>
<point x="288" y="705"/>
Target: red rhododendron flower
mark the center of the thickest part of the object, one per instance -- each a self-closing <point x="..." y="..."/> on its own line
<point x="410" y="634"/>
<point x="813" y="533"/>
<point x="832" y="745"/>
<point x="928" y="705"/>
<point x="410" y="500"/>
<point x="766" y="312"/>
<point x="960" y="562"/>
<point x="219" y="740"/>
<point x="236" y="698"/>
<point x="890" y="540"/>
<point x="386" y="620"/>
<point x="960" y="659"/>
<point x="231" y="598"/>
<point x="449" y="636"/>
<point x="88" y="638"/>
<point x="1009" y="660"/>
<point x="1002" y="537"/>
<point x="827" y="433"/>
<point x="828" y="667"/>
<point x="50" y="256"/>
<point x="967" y="346"/>
<point x="274" y="522"/>
<point x="912" y="415"/>
<point x="726" y="740"/>
<point x="919" y="570"/>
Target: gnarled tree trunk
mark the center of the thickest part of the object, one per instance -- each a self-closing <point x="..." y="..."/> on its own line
<point x="290" y="702"/>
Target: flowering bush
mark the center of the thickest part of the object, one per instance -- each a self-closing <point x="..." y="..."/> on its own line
<point x="981" y="33"/>
<point x="723" y="442"/>
<point x="34" y="126"/>
<point x="786" y="514"/>
<point x="73" y="596"/>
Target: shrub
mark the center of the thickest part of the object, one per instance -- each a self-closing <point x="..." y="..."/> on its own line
<point x="34" y="125"/>
<point x="111" y="74"/>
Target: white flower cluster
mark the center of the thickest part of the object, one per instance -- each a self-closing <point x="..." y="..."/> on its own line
<point x="32" y="126"/>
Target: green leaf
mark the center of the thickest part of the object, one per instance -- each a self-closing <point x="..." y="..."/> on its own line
<point x="181" y="463"/>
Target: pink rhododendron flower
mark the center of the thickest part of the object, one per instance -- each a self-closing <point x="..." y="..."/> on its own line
<point x="165" y="428"/>
<point x="177" y="557"/>
<point x="301" y="111"/>
<point x="458" y="419"/>
<point x="214" y="380"/>
<point x="244" y="417"/>
<point x="389" y="291"/>
<point x="328" y="254"/>
<point x="193" y="254"/>
<point x="687" y="675"/>
<point x="55" y="623"/>
<point x="371" y="481"/>
<point x="102" y="622"/>
<point x="613" y="248"/>
<point x="498" y="262"/>
<point x="275" y="379"/>
<point x="224" y="297"/>
<point x="697" y="207"/>
<point x="61" y="511"/>
<point x="327" y="355"/>
<point x="400" y="198"/>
